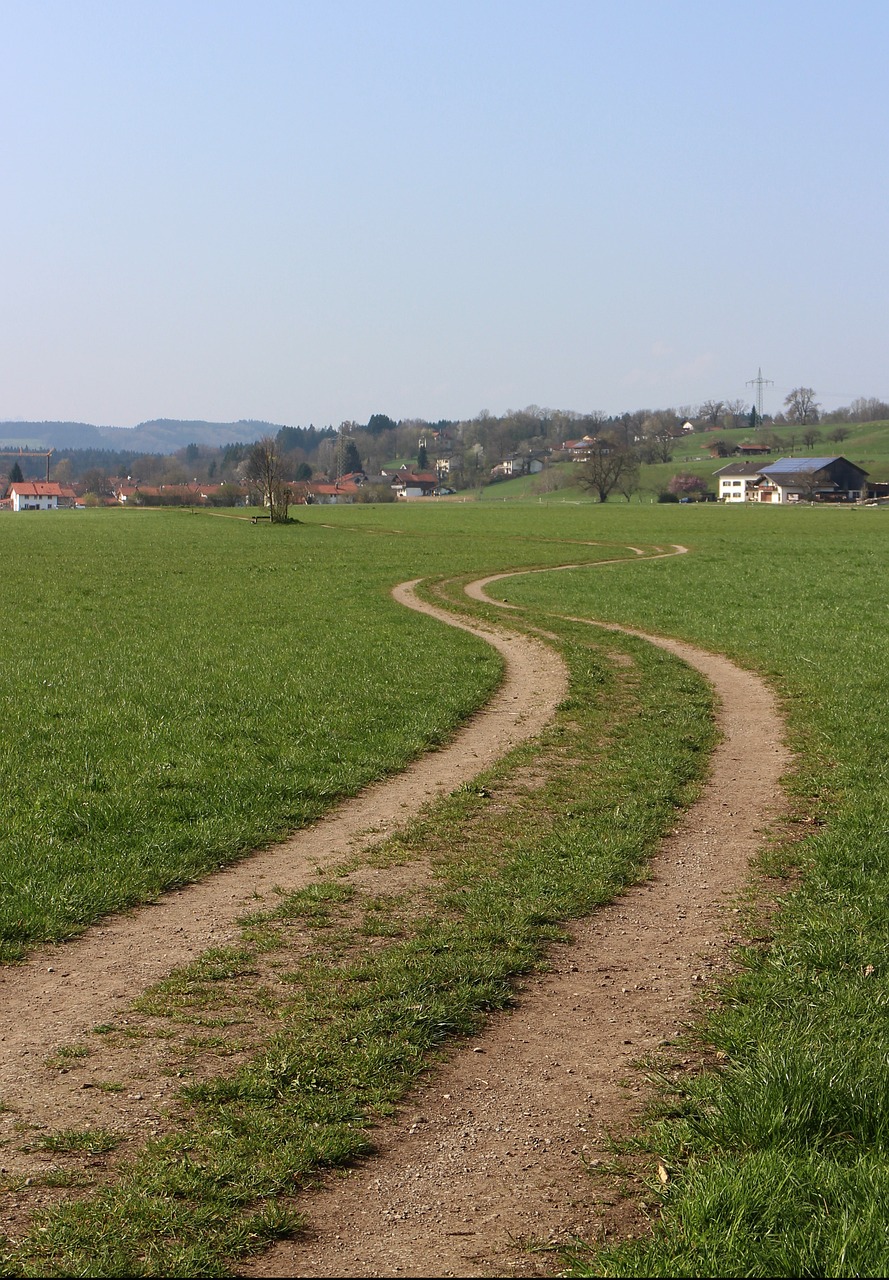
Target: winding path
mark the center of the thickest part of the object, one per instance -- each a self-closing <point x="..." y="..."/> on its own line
<point x="493" y="1152"/>
<point x="62" y="992"/>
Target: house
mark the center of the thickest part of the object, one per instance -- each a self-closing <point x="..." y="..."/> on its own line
<point x="415" y="484"/>
<point x="180" y="495"/>
<point x="518" y="464"/>
<point x="737" y="481"/>
<point x="752" y="450"/>
<point x="578" y="450"/>
<point x="789" y="480"/>
<point x="40" y="495"/>
<point x="329" y="494"/>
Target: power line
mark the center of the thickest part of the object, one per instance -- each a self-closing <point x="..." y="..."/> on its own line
<point x="759" y="382"/>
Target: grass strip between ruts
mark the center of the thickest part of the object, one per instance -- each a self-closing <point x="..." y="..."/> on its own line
<point x="368" y="1012"/>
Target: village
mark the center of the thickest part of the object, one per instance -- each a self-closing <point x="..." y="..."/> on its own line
<point x="748" y="479"/>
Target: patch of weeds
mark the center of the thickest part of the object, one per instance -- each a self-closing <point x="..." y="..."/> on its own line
<point x="262" y="937"/>
<point x="68" y="1141"/>
<point x="315" y="903"/>
<point x="382" y="917"/>
<point x="71" y="1178"/>
<point x="201" y="983"/>
<point x="218" y="1045"/>
<point x="110" y="1086"/>
<point x="235" y="1019"/>
<point x="62" y="1058"/>
<point x="377" y="924"/>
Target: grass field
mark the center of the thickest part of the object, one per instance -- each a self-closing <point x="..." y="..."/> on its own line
<point x="779" y="1161"/>
<point x="164" y="656"/>
<point x="180" y="688"/>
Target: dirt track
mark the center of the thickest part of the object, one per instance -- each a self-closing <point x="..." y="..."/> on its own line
<point x="63" y="992"/>
<point x="493" y="1152"/>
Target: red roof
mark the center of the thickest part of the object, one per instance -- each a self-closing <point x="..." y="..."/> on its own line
<point x="39" y="489"/>
<point x="340" y="487"/>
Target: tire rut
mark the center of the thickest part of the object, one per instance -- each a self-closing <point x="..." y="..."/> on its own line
<point x="61" y="993"/>
<point x="494" y="1153"/>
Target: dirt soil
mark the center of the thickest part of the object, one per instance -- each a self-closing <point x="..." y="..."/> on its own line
<point x="496" y="1150"/>
<point x="55" y="999"/>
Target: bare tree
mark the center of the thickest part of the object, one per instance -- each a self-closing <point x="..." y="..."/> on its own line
<point x="712" y="411"/>
<point x="810" y="484"/>
<point x="868" y="409"/>
<point x="265" y="475"/>
<point x="738" y="411"/>
<point x="801" y="405"/>
<point x="628" y="481"/>
<point x="810" y="435"/>
<point x="606" y="468"/>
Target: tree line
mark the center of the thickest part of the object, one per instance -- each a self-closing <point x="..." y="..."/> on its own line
<point x="468" y="447"/>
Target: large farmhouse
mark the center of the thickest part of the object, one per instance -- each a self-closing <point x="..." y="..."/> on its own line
<point x="39" y="495"/>
<point x="736" y="481"/>
<point x="789" y="480"/>
<point x="811" y="480"/>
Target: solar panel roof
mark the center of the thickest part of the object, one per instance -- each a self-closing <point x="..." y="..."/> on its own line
<point x="785" y="466"/>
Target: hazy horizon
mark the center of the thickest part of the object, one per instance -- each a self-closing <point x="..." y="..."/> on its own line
<point x="311" y="212"/>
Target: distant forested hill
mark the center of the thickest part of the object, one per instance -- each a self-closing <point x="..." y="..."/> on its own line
<point x="162" y="435"/>
<point x="51" y="435"/>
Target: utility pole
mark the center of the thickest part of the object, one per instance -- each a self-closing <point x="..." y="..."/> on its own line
<point x="345" y="429"/>
<point x="759" y="382"/>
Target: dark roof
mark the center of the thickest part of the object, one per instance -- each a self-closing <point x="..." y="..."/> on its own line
<point x="799" y="479"/>
<point x="740" y="469"/>
<point x="796" y="470"/>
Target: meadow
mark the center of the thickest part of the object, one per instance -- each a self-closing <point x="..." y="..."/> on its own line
<point x="181" y="688"/>
<point x="177" y="690"/>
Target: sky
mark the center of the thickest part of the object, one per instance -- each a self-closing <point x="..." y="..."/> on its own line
<point x="314" y="211"/>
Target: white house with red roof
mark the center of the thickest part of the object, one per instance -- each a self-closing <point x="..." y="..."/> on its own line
<point x="40" y="495"/>
<point x="414" y="484"/>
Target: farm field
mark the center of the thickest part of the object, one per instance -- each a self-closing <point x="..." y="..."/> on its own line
<point x="210" y="684"/>
<point x="179" y="689"/>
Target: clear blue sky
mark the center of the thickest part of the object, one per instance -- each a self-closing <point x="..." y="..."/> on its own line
<point x="318" y="210"/>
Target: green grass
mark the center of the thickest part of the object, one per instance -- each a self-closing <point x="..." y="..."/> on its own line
<point x="778" y="1160"/>
<point x="355" y="1027"/>
<point x="803" y="1028"/>
<point x="183" y="689"/>
<point x="179" y="690"/>
<point x="92" y="1141"/>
